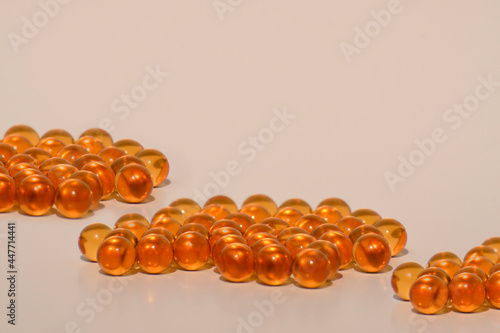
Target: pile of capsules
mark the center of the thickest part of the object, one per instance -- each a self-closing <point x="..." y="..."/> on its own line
<point x="37" y="173"/>
<point x="450" y="283"/>
<point x="259" y="240"/>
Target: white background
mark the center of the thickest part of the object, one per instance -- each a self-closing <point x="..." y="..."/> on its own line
<point x="353" y="121"/>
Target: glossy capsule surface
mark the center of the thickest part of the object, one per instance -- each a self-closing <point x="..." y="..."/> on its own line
<point x="91" y="144"/>
<point x="134" y="183"/>
<point x="94" y="184"/>
<point x="221" y="232"/>
<point x="439" y="272"/>
<point x="309" y="222"/>
<point x="371" y="252"/>
<point x="167" y="223"/>
<point x="289" y="214"/>
<point x="493" y="289"/>
<point x="311" y="268"/>
<point x="256" y="228"/>
<point x="120" y="162"/>
<point x="154" y="253"/>
<point x="24" y="130"/>
<point x="344" y="245"/>
<point x="444" y="255"/>
<point x="331" y="252"/>
<point x="157" y="164"/>
<point x="129" y="146"/>
<point x="187" y="206"/>
<point x="59" y="134"/>
<point x="429" y="294"/>
<point x="110" y="154"/>
<point x="201" y="218"/>
<point x="116" y="255"/>
<point x="276" y="223"/>
<point x="362" y="230"/>
<point x="218" y="212"/>
<point x="320" y="230"/>
<point x="337" y="203"/>
<point x="403" y="277"/>
<point x="6" y="151"/>
<point x="481" y="262"/>
<point x="82" y="160"/>
<point x="298" y="204"/>
<point x="258" y="236"/>
<point x="449" y="266"/>
<point x="494" y="243"/>
<point x="223" y="224"/>
<point x="91" y="238"/>
<point x="7" y="192"/>
<point x="136" y="227"/>
<point x="191" y="250"/>
<point x="289" y="232"/>
<point x="51" y="145"/>
<point x="262" y="200"/>
<point x="222" y="243"/>
<point x="260" y="244"/>
<point x="130" y="217"/>
<point x="100" y="134"/>
<point x="72" y="152"/>
<point x="242" y="219"/>
<point x="224" y="201"/>
<point x="394" y="232"/>
<point x="273" y="265"/>
<point x="484" y="251"/>
<point x="467" y="292"/>
<point x="368" y="216"/>
<point x="125" y="233"/>
<point x="106" y="176"/>
<point x="18" y="142"/>
<point x="35" y="195"/>
<point x="160" y="231"/>
<point x="298" y="242"/>
<point x="236" y="262"/>
<point x="474" y="270"/>
<point x="348" y="223"/>
<point x="256" y="212"/>
<point x="73" y="198"/>
<point x="173" y="212"/>
<point x="50" y="163"/>
<point x="60" y="173"/>
<point x="38" y="154"/>
<point x="328" y="213"/>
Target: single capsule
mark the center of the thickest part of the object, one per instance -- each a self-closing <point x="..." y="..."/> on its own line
<point x="372" y="253"/>
<point x="93" y="182"/>
<point x="403" y="277"/>
<point x="467" y="292"/>
<point x="38" y="154"/>
<point x="219" y="233"/>
<point x="444" y="255"/>
<point x="429" y="294"/>
<point x="4" y="171"/>
<point x="18" y="142"/>
<point x="474" y="270"/>
<point x="19" y="167"/>
<point x="90" y="144"/>
<point x="309" y="222"/>
<point x="59" y="173"/>
<point x="494" y="243"/>
<point x="493" y="289"/>
<point x="131" y="217"/>
<point x="35" y="195"/>
<point x="160" y="231"/>
<point x="106" y="176"/>
<point x="116" y="255"/>
<point x="321" y="229"/>
<point x="256" y="212"/>
<point x="6" y="151"/>
<point x="129" y="146"/>
<point x="262" y="200"/>
<point x="331" y="252"/>
<point x="344" y="245"/>
<point x="439" y="272"/>
<point x="201" y="218"/>
<point x="368" y="216"/>
<point x="494" y="269"/>
<point x="363" y="230"/>
<point x="51" y="145"/>
<point x="125" y="234"/>
<point x="134" y="183"/>
<point x="218" y="212"/>
<point x="311" y="268"/>
<point x="136" y="227"/>
<point x="170" y="211"/>
<point x="297" y="243"/>
<point x="222" y="243"/>
<point x="59" y="134"/>
<point x="394" y="232"/>
<point x="256" y="228"/>
<point x="50" y="163"/>
<point x="481" y="262"/>
<point x="26" y="131"/>
<point x="276" y="223"/>
<point x="242" y="219"/>
<point x="223" y="224"/>
<point x="337" y="203"/>
<point x="154" y="254"/>
<point x="72" y="152"/>
<point x="273" y="264"/>
<point x="82" y="160"/>
<point x="73" y="198"/>
<point x="187" y="206"/>
<point x="157" y="164"/>
<point x="110" y="154"/>
<point x="236" y="262"/>
<point x="191" y="250"/>
<point x="120" y="162"/>
<point x="289" y="232"/>
<point x="100" y="134"/>
<point x="91" y="238"/>
<point x="482" y="250"/>
<point x="328" y="213"/>
<point x="193" y="227"/>
<point x="258" y="236"/>
<point x="260" y="244"/>
<point x="289" y="214"/>
<point x="7" y="193"/>
<point x="19" y="158"/>
<point x="298" y="204"/>
<point x="449" y="266"/>
<point x="224" y="201"/>
<point x="348" y="223"/>
<point x="167" y="223"/>
<point x="19" y="177"/>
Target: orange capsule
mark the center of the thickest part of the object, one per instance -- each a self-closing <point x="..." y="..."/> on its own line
<point x="323" y="228"/>
<point x="7" y="192"/>
<point x="298" y="242"/>
<point x="18" y="142"/>
<point x="172" y="212"/>
<point x="4" y="171"/>
<point x="136" y="227"/>
<point x="348" y="223"/>
<point x="19" y="158"/>
<point x="91" y="238"/>
<point x="368" y="216"/>
<point x="311" y="268"/>
<point x="120" y="162"/>
<point x="371" y="252"/>
<point x="394" y="232"/>
<point x="258" y="236"/>
<point x="494" y="269"/>
<point x="157" y="164"/>
<point x="154" y="254"/>
<point x="331" y="252"/>
<point x="106" y="176"/>
<point x="82" y="160"/>
<point x="191" y="250"/>
<point x="273" y="264"/>
<point x="59" y="134"/>
<point x="19" y="167"/>
<point x="71" y="152"/>
<point x="134" y="183"/>
<point x="403" y="277"/>
<point x="187" y="206"/>
<point x="110" y="154"/>
<point x="93" y="182"/>
<point x="50" y="163"/>
<point x="256" y="228"/>
<point x="256" y="212"/>
<point x="35" y="195"/>
<point x="116" y="255"/>
<point x="344" y="245"/>
<point x="337" y="203"/>
<point x="276" y="223"/>
<point x="38" y="154"/>
<point x="474" y="270"/>
<point x="167" y="223"/>
<point x="224" y="223"/>
<point x="262" y="200"/>
<point x="298" y="204"/>
<point x="242" y="219"/>
<point x="125" y="233"/>
<point x="222" y="243"/>
<point x="328" y="213"/>
<point x="25" y="131"/>
<point x="429" y="294"/>
<point x="100" y="134"/>
<point x="467" y="292"/>
<point x="309" y="222"/>
<point x="493" y="289"/>
<point x="449" y="266"/>
<point x="60" y="173"/>
<point x="494" y="243"/>
<point x="51" y="145"/>
<point x="260" y="244"/>
<point x="236" y="262"/>
<point x="219" y="233"/>
<point x="482" y="250"/>
<point x="19" y="177"/>
<point x="160" y="231"/>
<point x="129" y="146"/>
<point x="439" y="272"/>
<point x="362" y="230"/>
<point x="131" y="217"/>
<point x="218" y="212"/>
<point x="91" y="144"/>
<point x="193" y="227"/>
<point x="6" y="151"/>
<point x="201" y="218"/>
<point x="289" y="232"/>
<point x="289" y="214"/>
<point x="73" y="198"/>
<point x="444" y="255"/>
<point x="481" y="262"/>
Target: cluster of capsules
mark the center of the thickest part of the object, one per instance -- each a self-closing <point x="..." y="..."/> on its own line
<point x="450" y="283"/>
<point x="259" y="240"/>
<point x="37" y="173"/>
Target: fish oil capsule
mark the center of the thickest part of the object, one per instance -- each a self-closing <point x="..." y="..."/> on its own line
<point x="256" y="228"/>
<point x="444" y="255"/>
<point x="494" y="243"/>
<point x="289" y="214"/>
<point x="6" y="151"/>
<point x="38" y="154"/>
<point x="362" y="230"/>
<point x="403" y="277"/>
<point x="236" y="262"/>
<point x="130" y="217"/>
<point x="167" y="223"/>
<point x="222" y="243"/>
<point x="467" y="292"/>
<point x="24" y="130"/>
<point x="35" y="195"/>
<point x="474" y="270"/>
<point x="262" y="200"/>
<point x="372" y="253"/>
<point x="201" y="218"/>
<point x="134" y="183"/>
<point x="93" y="182"/>
<point x="110" y="154"/>
<point x="100" y="134"/>
<point x="4" y="171"/>
<point x="344" y="245"/>
<point x="19" y="177"/>
<point x="242" y="219"/>
<point x="449" y="266"/>
<point x="481" y="262"/>
<point x="368" y="216"/>
<point x="394" y="232"/>
<point x="256" y="212"/>
<point x="129" y="146"/>
<point x="258" y="236"/>
<point x="297" y="243"/>
<point x="172" y="212"/>
<point x="157" y="164"/>
<point x="51" y="145"/>
<point x="82" y="160"/>
<point x="7" y="192"/>
<point x="219" y="233"/>
<point x="494" y="269"/>
<point x="348" y="223"/>
<point x="273" y="264"/>
<point x="298" y="204"/>
<point x="116" y="255"/>
<point x="321" y="229"/>
<point x="328" y="213"/>
<point x="19" y="158"/>
<point x="60" y="173"/>
<point x="90" y="144"/>
<point x="191" y="250"/>
<point x="311" y="268"/>
<point x="289" y="232"/>
<point x="218" y="212"/>
<point x="19" y="167"/>
<point x="429" y="294"/>
<point x="73" y="198"/>
<point x="309" y="222"/>
<point x="484" y="251"/>
<point x="331" y="252"/>
<point x="59" y="134"/>
<point x="120" y="162"/>
<point x="160" y="231"/>
<point x="260" y="244"/>
<point x="136" y="227"/>
<point x="50" y="163"/>
<point x="71" y="152"/>
<point x="125" y="233"/>
<point x="193" y="227"/>
<point x="18" y="142"/>
<point x="106" y="176"/>
<point x="493" y="289"/>
<point x="224" y="201"/>
<point x="154" y="254"/>
<point x="187" y="206"/>
<point x="276" y="223"/>
<point x="337" y="203"/>
<point x="224" y="223"/>
<point x="91" y="238"/>
<point x="439" y="272"/>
